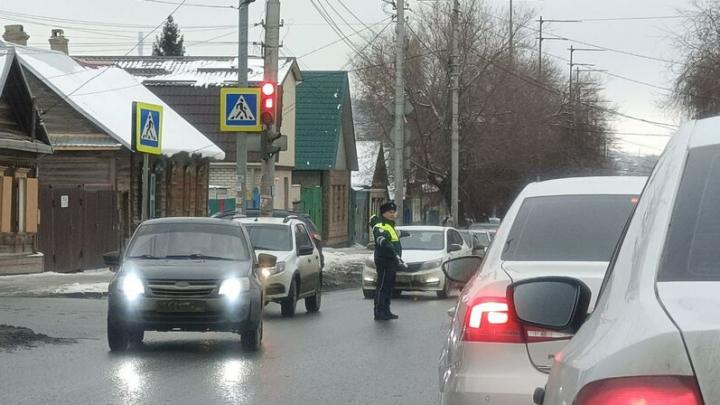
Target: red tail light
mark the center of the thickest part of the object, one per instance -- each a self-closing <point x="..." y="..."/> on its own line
<point x="650" y="390"/>
<point x="491" y="319"/>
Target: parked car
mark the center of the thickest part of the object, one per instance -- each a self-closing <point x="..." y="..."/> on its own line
<point x="565" y="227"/>
<point x="190" y="274"/>
<point x="653" y="337"/>
<point x="492" y="224"/>
<point x="425" y="249"/>
<point x="302" y="216"/>
<point x="478" y="240"/>
<point x="297" y="274"/>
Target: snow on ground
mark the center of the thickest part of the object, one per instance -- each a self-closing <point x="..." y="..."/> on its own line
<point x="343" y="268"/>
<point x="89" y="282"/>
<point x="344" y="258"/>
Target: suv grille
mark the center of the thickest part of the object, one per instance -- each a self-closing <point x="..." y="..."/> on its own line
<point x="182" y="288"/>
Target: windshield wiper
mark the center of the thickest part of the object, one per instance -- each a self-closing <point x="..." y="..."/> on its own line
<point x="197" y="256"/>
<point x="148" y="257"/>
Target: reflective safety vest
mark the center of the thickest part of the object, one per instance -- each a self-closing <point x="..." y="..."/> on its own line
<point x="390" y="231"/>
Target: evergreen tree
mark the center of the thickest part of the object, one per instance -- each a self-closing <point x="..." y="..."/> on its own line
<point x="170" y="42"/>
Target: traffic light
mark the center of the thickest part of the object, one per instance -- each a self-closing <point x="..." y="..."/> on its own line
<point x="268" y="99"/>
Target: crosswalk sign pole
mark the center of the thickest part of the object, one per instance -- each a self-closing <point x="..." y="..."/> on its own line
<point x="145" y="187"/>
<point x="147" y="128"/>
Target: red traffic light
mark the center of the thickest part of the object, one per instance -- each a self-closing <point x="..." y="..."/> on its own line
<point x="268" y="103"/>
<point x="268" y="89"/>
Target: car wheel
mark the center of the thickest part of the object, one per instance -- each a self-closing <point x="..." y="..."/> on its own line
<point x="369" y="294"/>
<point x="117" y="336"/>
<point x="287" y="307"/>
<point x="445" y="292"/>
<point x="252" y="339"/>
<point x="312" y="304"/>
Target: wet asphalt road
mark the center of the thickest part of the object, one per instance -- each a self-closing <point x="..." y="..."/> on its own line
<point x="339" y="356"/>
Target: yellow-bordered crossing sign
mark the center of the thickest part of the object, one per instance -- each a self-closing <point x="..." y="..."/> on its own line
<point x="147" y="124"/>
<point x="240" y="109"/>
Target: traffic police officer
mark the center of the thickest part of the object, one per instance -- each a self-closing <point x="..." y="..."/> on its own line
<point x="387" y="257"/>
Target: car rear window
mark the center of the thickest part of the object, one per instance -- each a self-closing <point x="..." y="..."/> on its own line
<point x="692" y="247"/>
<point x="270" y="237"/>
<point x="568" y="228"/>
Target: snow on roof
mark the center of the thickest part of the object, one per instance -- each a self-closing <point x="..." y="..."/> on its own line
<point x="367" y="152"/>
<point x="189" y="70"/>
<point x="104" y="96"/>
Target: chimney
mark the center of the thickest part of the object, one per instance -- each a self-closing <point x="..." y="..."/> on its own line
<point x="16" y="34"/>
<point x="58" y="42"/>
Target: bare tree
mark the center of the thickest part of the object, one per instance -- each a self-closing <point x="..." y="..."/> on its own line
<point x="514" y="126"/>
<point x="697" y="86"/>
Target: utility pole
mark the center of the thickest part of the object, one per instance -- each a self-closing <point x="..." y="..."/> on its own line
<point x="272" y="48"/>
<point x="455" y="124"/>
<point x="241" y="137"/>
<point x="400" y="110"/>
<point x="512" y="51"/>
<point x="541" y="39"/>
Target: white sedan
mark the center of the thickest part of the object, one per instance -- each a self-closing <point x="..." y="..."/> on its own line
<point x="654" y="336"/>
<point x="424" y="251"/>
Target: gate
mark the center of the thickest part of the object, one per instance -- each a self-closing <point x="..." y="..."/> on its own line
<point x="77" y="226"/>
<point x="311" y="200"/>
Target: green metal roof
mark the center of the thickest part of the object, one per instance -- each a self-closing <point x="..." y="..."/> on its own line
<point x="320" y="102"/>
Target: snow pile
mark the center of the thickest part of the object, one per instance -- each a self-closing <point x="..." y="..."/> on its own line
<point x="90" y="283"/>
<point x="343" y="267"/>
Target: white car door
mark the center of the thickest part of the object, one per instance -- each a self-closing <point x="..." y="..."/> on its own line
<point x="454" y="238"/>
<point x="308" y="259"/>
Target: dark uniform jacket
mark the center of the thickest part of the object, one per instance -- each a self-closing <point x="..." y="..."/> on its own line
<point x="387" y="240"/>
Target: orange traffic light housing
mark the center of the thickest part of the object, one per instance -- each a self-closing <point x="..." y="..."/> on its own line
<point x="268" y="100"/>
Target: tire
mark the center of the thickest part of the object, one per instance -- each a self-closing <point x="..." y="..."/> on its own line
<point x="369" y="294"/>
<point x="251" y="340"/>
<point x="445" y="292"/>
<point x="312" y="304"/>
<point x="136" y="337"/>
<point x="117" y="335"/>
<point x="397" y="293"/>
<point x="288" y="305"/>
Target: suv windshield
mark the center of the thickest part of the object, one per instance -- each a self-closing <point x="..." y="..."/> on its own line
<point x="188" y="240"/>
<point x="424" y="240"/>
<point x="270" y="236"/>
<point x="568" y="228"/>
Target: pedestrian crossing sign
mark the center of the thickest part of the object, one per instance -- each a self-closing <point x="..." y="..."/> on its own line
<point x="147" y="128"/>
<point x="240" y="110"/>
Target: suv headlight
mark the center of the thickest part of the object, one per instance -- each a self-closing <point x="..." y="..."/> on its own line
<point x="131" y="286"/>
<point x="271" y="271"/>
<point x="431" y="264"/>
<point x="233" y="287"/>
<point x="370" y="262"/>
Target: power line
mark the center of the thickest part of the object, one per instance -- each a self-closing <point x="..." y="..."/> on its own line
<point x="191" y="4"/>
<point x="65" y="97"/>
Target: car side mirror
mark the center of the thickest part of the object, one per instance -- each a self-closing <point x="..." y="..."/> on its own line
<point x="554" y="303"/>
<point x="454" y="248"/>
<point x="112" y="259"/>
<point x="462" y="269"/>
<point x="265" y="260"/>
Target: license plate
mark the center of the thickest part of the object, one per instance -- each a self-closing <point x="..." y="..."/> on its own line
<point x="180" y="306"/>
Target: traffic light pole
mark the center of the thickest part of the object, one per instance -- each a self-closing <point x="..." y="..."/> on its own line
<point x="272" y="47"/>
<point x="241" y="138"/>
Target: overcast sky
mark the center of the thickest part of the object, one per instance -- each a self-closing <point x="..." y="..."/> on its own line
<point x="110" y="27"/>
